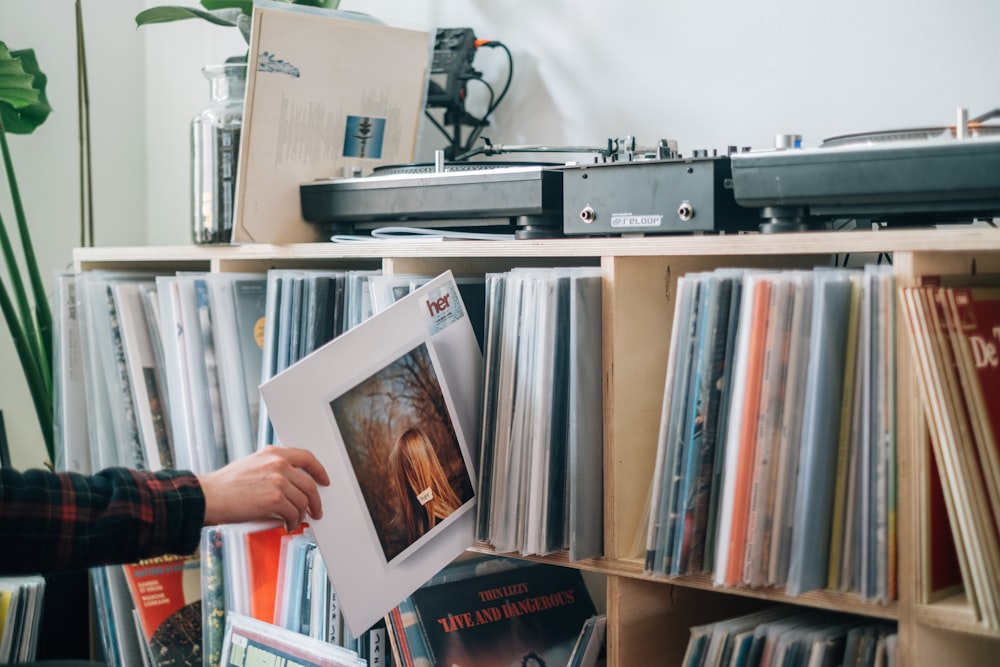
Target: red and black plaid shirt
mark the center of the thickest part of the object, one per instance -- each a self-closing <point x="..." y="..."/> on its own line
<point x="61" y="521"/>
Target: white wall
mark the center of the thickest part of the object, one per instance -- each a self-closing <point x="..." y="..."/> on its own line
<point x="175" y="89"/>
<point x="138" y="124"/>
<point x="707" y="74"/>
<point x="47" y="161"/>
<point x="722" y="72"/>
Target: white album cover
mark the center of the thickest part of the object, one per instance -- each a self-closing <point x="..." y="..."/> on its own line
<point x="327" y="92"/>
<point x="391" y="409"/>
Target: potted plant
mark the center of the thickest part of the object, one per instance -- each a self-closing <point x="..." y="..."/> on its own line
<point x="26" y="311"/>
<point x="63" y="632"/>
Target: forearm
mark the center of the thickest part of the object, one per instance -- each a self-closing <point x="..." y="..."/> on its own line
<point x="58" y="521"/>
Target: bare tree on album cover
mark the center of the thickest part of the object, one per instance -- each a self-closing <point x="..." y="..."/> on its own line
<point x="404" y="450"/>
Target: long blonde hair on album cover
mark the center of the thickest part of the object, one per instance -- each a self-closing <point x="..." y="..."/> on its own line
<point x="426" y="496"/>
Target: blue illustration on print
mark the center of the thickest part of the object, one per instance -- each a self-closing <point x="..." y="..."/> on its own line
<point x="363" y="137"/>
<point x="266" y="62"/>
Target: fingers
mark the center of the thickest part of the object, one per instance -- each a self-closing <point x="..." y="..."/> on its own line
<point x="302" y="494"/>
<point x="273" y="482"/>
<point x="306" y="486"/>
<point x="289" y="514"/>
<point x="304" y="459"/>
<point x="305" y="474"/>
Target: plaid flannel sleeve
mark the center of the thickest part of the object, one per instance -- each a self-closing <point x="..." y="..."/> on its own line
<point x="60" y="521"/>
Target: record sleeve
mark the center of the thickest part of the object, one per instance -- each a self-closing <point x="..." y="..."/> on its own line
<point x="689" y="550"/>
<point x="493" y="319"/>
<point x="585" y="513"/>
<point x="389" y="408"/>
<point x="330" y="91"/>
<point x="787" y="457"/>
<point x="744" y="447"/>
<point x="167" y="595"/>
<point x="734" y="424"/>
<point x="249" y="641"/>
<point x="147" y="402"/>
<point x="813" y="511"/>
<point x="523" y="616"/>
<point x="658" y="545"/>
<point x="69" y="383"/>
<point x="772" y="403"/>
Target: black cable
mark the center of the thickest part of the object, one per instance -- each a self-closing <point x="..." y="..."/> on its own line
<point x="469" y="154"/>
<point x="510" y="74"/>
<point x="492" y="106"/>
<point x="439" y="126"/>
<point x="477" y="127"/>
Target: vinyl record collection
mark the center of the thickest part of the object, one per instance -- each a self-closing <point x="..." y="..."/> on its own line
<point x="20" y="617"/>
<point x="783" y="636"/>
<point x="169" y="365"/>
<point x="250" y="641"/>
<point x="953" y="340"/>
<point x="776" y="457"/>
<point x="263" y="573"/>
<point x="167" y="369"/>
<point x="541" y="447"/>
<point x="775" y="465"/>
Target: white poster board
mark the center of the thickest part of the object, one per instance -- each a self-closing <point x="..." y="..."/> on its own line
<point x="327" y="93"/>
<point x="391" y="409"/>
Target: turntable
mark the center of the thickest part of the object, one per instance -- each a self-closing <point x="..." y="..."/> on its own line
<point x="910" y="177"/>
<point x="626" y="189"/>
<point x="520" y="198"/>
<point x="916" y="176"/>
<point x="524" y="198"/>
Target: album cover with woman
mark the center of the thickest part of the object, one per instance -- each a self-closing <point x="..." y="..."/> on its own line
<point x="407" y="456"/>
<point x="391" y="409"/>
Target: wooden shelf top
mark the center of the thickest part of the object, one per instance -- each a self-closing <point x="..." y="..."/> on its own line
<point x="958" y="238"/>
<point x="953" y="613"/>
<point x="831" y="600"/>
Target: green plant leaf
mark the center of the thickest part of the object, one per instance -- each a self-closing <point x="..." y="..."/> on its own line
<point x="15" y="83"/>
<point x="245" y="6"/>
<point x="37" y="377"/>
<point x="23" y="105"/>
<point x="168" y="13"/>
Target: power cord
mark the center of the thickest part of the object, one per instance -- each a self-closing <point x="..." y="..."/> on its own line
<point x="457" y="117"/>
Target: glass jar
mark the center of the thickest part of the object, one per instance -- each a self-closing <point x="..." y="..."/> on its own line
<point x="215" y="143"/>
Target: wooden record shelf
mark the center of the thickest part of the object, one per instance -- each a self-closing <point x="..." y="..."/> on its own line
<point x="649" y="617"/>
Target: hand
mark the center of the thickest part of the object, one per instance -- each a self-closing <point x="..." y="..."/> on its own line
<point x="272" y="483"/>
